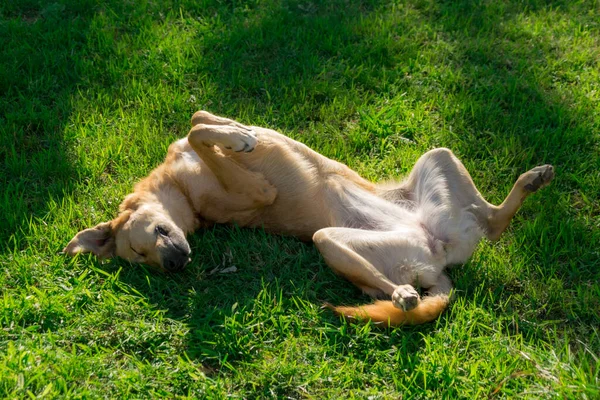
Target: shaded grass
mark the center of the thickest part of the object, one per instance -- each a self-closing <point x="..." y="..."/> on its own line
<point x="93" y="93"/>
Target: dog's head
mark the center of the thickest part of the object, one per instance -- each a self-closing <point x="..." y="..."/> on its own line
<point x="144" y="235"/>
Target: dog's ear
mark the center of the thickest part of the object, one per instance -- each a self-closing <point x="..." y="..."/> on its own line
<point x="99" y="240"/>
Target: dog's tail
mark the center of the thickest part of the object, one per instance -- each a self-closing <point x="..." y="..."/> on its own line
<point x="384" y="312"/>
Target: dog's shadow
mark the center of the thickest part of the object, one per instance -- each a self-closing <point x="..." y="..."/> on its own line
<point x="244" y="288"/>
<point x="246" y="291"/>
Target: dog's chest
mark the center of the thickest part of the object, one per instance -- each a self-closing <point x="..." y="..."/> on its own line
<point x="187" y="155"/>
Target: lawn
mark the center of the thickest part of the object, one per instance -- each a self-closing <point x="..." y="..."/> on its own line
<point x="93" y="92"/>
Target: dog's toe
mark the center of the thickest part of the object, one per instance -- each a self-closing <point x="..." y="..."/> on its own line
<point x="405" y="297"/>
<point x="537" y="178"/>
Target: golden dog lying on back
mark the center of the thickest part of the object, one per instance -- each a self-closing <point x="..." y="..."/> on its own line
<point x="385" y="239"/>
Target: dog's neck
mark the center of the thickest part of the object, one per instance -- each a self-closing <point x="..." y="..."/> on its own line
<point x="166" y="195"/>
<point x="178" y="207"/>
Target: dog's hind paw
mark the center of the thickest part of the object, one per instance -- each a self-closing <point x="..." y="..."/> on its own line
<point x="537" y="178"/>
<point x="405" y="297"/>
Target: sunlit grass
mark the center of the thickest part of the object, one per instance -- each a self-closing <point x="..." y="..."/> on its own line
<point x="92" y="93"/>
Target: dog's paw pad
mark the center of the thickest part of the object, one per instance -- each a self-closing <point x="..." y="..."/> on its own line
<point x="405" y="297"/>
<point x="537" y="178"/>
<point x="245" y="140"/>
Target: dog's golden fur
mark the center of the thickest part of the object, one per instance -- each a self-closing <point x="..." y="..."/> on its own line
<point x="386" y="239"/>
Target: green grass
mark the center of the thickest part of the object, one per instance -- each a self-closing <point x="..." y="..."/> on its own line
<point x="92" y="93"/>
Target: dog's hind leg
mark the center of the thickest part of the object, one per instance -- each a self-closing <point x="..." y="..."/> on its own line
<point x="463" y="193"/>
<point x="528" y="183"/>
<point x="442" y="287"/>
<point x="366" y="258"/>
<point x="386" y="262"/>
<point x="334" y="245"/>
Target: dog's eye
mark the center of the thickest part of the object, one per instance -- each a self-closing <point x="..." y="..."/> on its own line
<point x="161" y="231"/>
<point x="136" y="252"/>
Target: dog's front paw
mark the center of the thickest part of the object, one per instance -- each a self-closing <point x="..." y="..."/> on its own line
<point x="537" y="178"/>
<point x="240" y="139"/>
<point x="405" y="297"/>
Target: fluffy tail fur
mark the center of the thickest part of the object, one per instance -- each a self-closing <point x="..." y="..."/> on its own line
<point x="385" y="313"/>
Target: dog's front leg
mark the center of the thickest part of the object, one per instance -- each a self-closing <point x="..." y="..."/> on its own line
<point x="204" y="117"/>
<point x="245" y="189"/>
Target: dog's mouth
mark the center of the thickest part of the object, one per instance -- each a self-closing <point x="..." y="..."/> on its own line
<point x="175" y="258"/>
<point x="177" y="265"/>
<point x="174" y="251"/>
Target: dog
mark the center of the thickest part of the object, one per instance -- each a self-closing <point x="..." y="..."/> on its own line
<point x="386" y="239"/>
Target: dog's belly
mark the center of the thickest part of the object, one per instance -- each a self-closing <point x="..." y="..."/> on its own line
<point x="291" y="217"/>
<point x="431" y="242"/>
<point x="420" y="260"/>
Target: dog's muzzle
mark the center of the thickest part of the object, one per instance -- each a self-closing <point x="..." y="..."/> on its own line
<point x="176" y="258"/>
